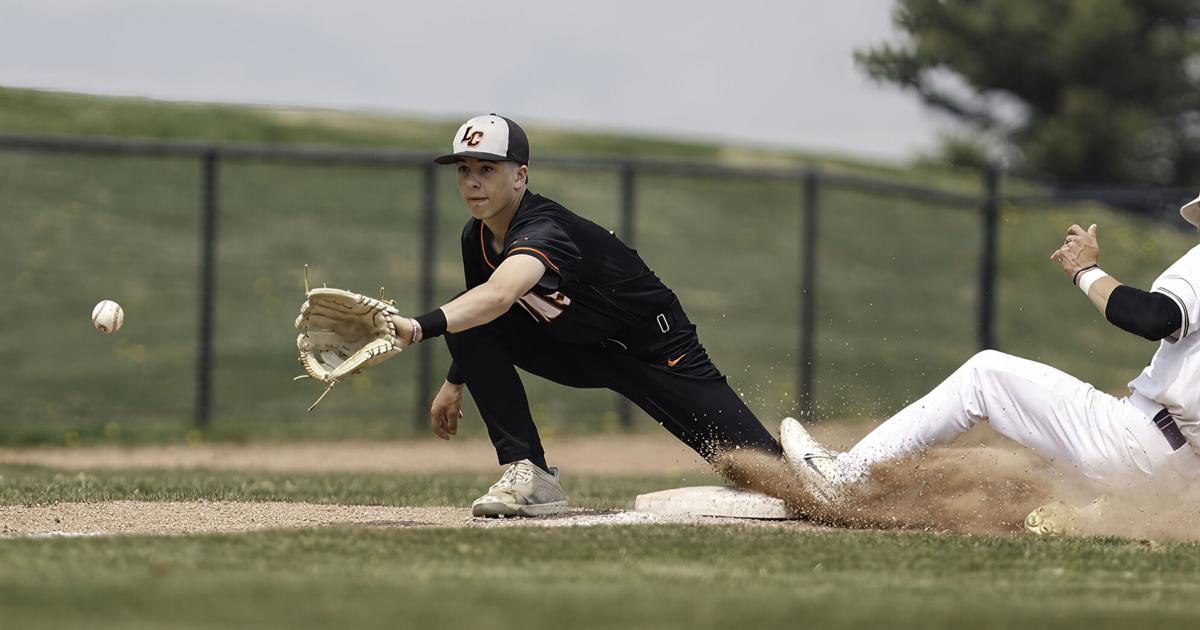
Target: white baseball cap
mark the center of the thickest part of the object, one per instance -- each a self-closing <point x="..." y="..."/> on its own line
<point x="1191" y="211"/>
<point x="490" y="137"/>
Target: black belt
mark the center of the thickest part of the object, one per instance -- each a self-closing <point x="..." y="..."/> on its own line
<point x="1170" y="430"/>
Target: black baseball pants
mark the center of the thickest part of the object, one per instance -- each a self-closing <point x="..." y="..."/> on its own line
<point x="690" y="397"/>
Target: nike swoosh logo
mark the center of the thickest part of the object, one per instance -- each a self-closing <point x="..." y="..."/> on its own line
<point x="672" y="362"/>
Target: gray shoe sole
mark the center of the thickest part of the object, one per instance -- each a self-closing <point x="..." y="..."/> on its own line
<point x="1052" y="519"/>
<point x="1036" y="524"/>
<point x="494" y="509"/>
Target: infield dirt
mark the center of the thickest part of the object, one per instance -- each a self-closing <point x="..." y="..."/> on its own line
<point x="982" y="485"/>
<point x="206" y="517"/>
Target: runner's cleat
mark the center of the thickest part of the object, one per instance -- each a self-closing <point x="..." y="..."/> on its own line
<point x="817" y="466"/>
<point x="1059" y="518"/>
<point x="1052" y="519"/>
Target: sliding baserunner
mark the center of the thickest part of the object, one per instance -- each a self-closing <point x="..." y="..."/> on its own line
<point x="1148" y="438"/>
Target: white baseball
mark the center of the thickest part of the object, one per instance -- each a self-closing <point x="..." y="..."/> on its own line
<point x="108" y="316"/>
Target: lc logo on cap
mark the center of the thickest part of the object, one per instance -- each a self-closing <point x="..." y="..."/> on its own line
<point x="494" y="138"/>
<point x="471" y="137"/>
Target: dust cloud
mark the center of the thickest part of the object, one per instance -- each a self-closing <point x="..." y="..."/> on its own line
<point x="973" y="490"/>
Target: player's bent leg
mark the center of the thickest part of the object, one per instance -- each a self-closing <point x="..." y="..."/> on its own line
<point x="488" y="371"/>
<point x="944" y="413"/>
<point x="486" y="357"/>
<point x="523" y="490"/>
<point x="1063" y="419"/>
<point x="698" y="407"/>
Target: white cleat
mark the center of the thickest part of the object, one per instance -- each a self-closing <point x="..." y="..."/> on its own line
<point x="816" y="465"/>
<point x="523" y="490"/>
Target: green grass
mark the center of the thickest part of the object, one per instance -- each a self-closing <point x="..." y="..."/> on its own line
<point x="601" y="577"/>
<point x="595" y="577"/>
<point x="896" y="287"/>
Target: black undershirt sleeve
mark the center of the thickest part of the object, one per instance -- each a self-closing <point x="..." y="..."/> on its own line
<point x="1153" y="316"/>
<point x="454" y="377"/>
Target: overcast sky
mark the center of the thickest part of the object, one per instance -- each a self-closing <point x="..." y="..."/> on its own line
<point x="758" y="72"/>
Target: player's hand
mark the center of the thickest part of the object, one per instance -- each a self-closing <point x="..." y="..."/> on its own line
<point x="446" y="410"/>
<point x="403" y="330"/>
<point x="1079" y="250"/>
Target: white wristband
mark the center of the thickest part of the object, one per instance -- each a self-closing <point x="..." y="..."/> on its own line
<point x="1089" y="277"/>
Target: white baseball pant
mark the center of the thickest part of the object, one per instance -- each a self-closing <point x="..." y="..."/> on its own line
<point x="1106" y="439"/>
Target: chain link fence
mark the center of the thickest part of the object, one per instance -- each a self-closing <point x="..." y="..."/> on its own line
<point x="818" y="293"/>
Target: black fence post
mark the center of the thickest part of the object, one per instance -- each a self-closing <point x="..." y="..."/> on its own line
<point x="208" y="245"/>
<point x="987" y="267"/>
<point x="624" y="407"/>
<point x="808" y="295"/>
<point x="424" y="391"/>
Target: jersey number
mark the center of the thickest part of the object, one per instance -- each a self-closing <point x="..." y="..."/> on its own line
<point x="545" y="308"/>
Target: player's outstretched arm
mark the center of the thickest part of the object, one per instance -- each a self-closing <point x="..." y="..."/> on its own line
<point x="512" y="279"/>
<point x="1153" y="316"/>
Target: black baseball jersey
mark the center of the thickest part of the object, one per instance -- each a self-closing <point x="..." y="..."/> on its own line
<point x="595" y="286"/>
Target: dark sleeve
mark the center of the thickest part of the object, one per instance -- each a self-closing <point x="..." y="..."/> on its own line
<point x="548" y="242"/>
<point x="1153" y="316"/>
<point x="473" y="278"/>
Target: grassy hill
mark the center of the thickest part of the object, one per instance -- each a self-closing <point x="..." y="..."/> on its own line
<point x="70" y="114"/>
<point x="896" y="298"/>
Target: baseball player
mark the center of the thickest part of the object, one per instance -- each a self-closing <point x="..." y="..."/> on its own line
<point x="558" y="296"/>
<point x="1152" y="435"/>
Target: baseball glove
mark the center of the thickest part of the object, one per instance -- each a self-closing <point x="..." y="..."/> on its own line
<point x="343" y="333"/>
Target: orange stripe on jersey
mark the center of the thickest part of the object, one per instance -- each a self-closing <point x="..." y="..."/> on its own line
<point x="547" y="258"/>
<point x="483" y="246"/>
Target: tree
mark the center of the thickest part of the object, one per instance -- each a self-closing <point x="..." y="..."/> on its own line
<point x="1086" y="91"/>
